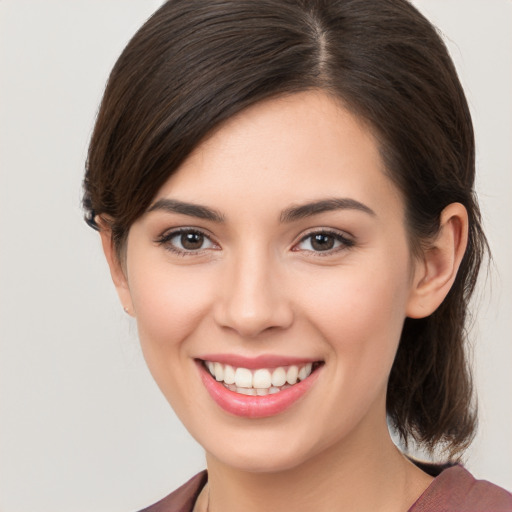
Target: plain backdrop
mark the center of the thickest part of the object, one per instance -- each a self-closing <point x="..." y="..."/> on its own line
<point x="82" y="425"/>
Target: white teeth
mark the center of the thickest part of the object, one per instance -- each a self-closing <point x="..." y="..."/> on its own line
<point x="305" y="371"/>
<point x="243" y="378"/>
<point x="246" y="391"/>
<point x="262" y="379"/>
<point x="278" y="377"/>
<point x="258" y="382"/>
<point x="292" y="374"/>
<point x="229" y="374"/>
<point x="219" y="371"/>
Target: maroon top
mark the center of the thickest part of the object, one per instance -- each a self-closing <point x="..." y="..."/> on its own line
<point x="453" y="490"/>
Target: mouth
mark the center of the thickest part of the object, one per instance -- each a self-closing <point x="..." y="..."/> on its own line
<point x="260" y="381"/>
<point x="244" y="388"/>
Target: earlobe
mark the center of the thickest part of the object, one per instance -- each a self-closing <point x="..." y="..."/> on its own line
<point x="435" y="272"/>
<point x="116" y="269"/>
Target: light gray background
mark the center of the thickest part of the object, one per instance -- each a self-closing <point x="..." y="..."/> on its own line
<point x="82" y="425"/>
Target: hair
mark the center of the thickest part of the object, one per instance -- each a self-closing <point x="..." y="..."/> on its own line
<point x="196" y="63"/>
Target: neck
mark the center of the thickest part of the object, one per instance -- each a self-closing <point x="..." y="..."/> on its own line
<point x="354" y="475"/>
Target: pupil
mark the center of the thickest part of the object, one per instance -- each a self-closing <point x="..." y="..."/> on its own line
<point x="192" y="241"/>
<point x="322" y="242"/>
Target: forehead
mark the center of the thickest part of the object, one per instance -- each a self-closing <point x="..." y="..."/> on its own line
<point x="286" y="150"/>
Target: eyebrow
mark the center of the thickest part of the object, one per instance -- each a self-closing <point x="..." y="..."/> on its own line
<point x="190" y="209"/>
<point x="324" y="205"/>
<point x="288" y="215"/>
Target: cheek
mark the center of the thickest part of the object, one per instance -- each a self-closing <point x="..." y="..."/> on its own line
<point x="360" y="314"/>
<point x="169" y="304"/>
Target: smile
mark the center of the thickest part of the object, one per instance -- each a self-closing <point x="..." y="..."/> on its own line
<point x="257" y="388"/>
<point x="259" y="382"/>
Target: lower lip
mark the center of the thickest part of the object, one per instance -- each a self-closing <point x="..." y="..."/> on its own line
<point x="255" y="406"/>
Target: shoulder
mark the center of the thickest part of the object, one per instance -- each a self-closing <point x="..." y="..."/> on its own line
<point x="183" y="498"/>
<point x="456" y="490"/>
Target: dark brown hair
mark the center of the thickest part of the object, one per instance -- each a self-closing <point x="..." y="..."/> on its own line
<point x="195" y="63"/>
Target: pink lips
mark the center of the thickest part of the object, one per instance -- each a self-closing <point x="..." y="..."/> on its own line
<point x="254" y="406"/>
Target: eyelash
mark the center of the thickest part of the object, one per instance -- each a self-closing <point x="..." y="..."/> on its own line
<point x="344" y="241"/>
<point x="166" y="238"/>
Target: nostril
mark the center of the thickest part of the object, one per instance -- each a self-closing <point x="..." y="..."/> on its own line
<point x="249" y="324"/>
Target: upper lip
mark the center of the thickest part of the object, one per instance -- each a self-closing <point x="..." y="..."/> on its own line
<point x="261" y="361"/>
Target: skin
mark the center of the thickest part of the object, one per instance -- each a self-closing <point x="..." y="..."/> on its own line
<point x="257" y="286"/>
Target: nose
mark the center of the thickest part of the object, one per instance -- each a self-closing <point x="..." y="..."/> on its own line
<point x="253" y="296"/>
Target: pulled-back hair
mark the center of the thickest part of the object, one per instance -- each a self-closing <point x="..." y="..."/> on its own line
<point x="196" y="63"/>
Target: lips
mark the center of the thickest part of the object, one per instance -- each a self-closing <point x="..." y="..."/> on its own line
<point x="257" y="391"/>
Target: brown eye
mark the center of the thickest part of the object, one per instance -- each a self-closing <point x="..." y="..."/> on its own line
<point x="186" y="241"/>
<point x="192" y="241"/>
<point x="322" y="242"/>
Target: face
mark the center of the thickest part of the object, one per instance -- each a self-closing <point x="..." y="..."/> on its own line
<point x="270" y="280"/>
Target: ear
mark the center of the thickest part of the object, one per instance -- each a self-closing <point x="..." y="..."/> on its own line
<point x="437" y="268"/>
<point x="116" y="268"/>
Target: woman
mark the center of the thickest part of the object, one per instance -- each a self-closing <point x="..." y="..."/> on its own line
<point x="284" y="192"/>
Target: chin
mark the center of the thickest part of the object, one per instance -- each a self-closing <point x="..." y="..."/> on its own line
<point x="258" y="461"/>
<point x="267" y="451"/>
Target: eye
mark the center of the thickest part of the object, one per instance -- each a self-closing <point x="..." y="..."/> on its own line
<point x="324" y="241"/>
<point x="186" y="241"/>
